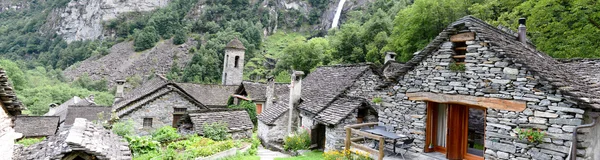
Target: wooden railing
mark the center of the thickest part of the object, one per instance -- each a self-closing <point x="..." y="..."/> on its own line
<point x="355" y="130"/>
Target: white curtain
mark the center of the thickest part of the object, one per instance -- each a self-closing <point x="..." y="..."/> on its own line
<point x="442" y="125"/>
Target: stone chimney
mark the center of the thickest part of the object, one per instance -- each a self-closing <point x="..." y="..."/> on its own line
<point x="52" y="109"/>
<point x="91" y="99"/>
<point x="270" y="92"/>
<point x="522" y="30"/>
<point x="119" y="92"/>
<point x="389" y="56"/>
<point x="295" y="93"/>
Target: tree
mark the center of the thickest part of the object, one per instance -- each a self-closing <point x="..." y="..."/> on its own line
<point x="305" y="56"/>
<point x="180" y="36"/>
<point x="14" y="73"/>
<point x="145" y="38"/>
<point x="348" y="44"/>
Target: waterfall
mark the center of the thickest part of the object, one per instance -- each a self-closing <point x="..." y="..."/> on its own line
<point x="338" y="12"/>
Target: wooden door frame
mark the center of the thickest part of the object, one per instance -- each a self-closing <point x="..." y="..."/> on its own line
<point x="431" y="129"/>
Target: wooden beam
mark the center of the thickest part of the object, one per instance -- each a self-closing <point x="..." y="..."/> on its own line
<point x="348" y="136"/>
<point x="361" y="125"/>
<point x="382" y="148"/>
<point x="366" y="134"/>
<point x="462" y="37"/>
<point x="364" y="148"/>
<point x="495" y="103"/>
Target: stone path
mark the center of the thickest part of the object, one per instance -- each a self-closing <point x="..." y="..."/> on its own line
<point x="266" y="154"/>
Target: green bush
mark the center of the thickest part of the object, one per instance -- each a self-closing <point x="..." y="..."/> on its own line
<point x="145" y="38"/>
<point x="457" y="67"/>
<point x="216" y="131"/>
<point x="250" y="108"/>
<point x="180" y="37"/>
<point x="123" y="128"/>
<point x="297" y="141"/>
<point x="165" y="134"/>
<point x="142" y="145"/>
<point x="29" y="141"/>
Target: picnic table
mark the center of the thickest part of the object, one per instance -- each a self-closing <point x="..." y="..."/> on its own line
<point x="389" y="135"/>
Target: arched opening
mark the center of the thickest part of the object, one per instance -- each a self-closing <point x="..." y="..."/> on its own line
<point x="237" y="59"/>
<point x="226" y="60"/>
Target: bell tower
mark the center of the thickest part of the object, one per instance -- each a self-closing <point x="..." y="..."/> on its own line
<point x="233" y="63"/>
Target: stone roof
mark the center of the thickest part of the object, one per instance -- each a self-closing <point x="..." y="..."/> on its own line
<point x="8" y="97"/>
<point x="321" y="87"/>
<point x="339" y="109"/>
<point x="583" y="90"/>
<point x="236" y="119"/>
<point x="84" y="137"/>
<point x="235" y="43"/>
<point x="36" y="126"/>
<point x="62" y="109"/>
<point x="151" y="90"/>
<point x="91" y="113"/>
<point x="210" y="94"/>
<point x="588" y="69"/>
<point x="257" y="91"/>
<point x="273" y="112"/>
<point x="392" y="68"/>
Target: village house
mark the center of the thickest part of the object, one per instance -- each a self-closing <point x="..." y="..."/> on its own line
<point x="36" y="126"/>
<point x="257" y="92"/>
<point x="83" y="141"/>
<point x="237" y="120"/>
<point x="75" y="108"/>
<point x="11" y="107"/>
<point x="466" y="94"/>
<point x="324" y="102"/>
<point x="62" y="109"/>
<point x="272" y="121"/>
<point x="160" y="102"/>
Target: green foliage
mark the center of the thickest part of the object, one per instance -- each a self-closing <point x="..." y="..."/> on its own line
<point x="298" y="141"/>
<point x="533" y="136"/>
<point x="307" y="156"/>
<point x="457" y="67"/>
<point x="346" y="155"/>
<point x="165" y="134"/>
<point x="283" y="77"/>
<point x="30" y="141"/>
<point x="216" y="131"/>
<point x="123" y="128"/>
<point x="145" y="39"/>
<point x="140" y="145"/>
<point x="250" y="107"/>
<point x="14" y="73"/>
<point x="305" y="56"/>
<point x="377" y="100"/>
<point x="180" y="37"/>
<point x="84" y="81"/>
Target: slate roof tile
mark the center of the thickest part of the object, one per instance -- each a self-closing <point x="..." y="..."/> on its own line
<point x="236" y="119"/>
<point x="210" y="94"/>
<point x="339" y="109"/>
<point x="36" y="126"/>
<point x="8" y="98"/>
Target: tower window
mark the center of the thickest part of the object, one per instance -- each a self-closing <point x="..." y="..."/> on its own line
<point x="237" y="59"/>
<point x="147" y="123"/>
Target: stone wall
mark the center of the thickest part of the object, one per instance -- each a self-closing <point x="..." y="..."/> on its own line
<point x="233" y="75"/>
<point x="592" y="140"/>
<point x="488" y="74"/>
<point x="7" y="134"/>
<point x="160" y="110"/>
<point x="336" y="135"/>
<point x="273" y="134"/>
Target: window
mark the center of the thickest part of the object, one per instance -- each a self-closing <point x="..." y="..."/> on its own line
<point x="237" y="59"/>
<point x="147" y="123"/>
<point x="460" y="46"/>
<point x="180" y="109"/>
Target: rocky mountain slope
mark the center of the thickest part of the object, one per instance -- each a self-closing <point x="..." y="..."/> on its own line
<point x="123" y="62"/>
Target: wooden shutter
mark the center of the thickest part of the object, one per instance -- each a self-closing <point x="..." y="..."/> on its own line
<point x="258" y="108"/>
<point x="457" y="127"/>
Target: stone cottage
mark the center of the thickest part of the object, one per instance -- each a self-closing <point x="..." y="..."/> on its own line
<point x="237" y="120"/>
<point x="256" y="92"/>
<point x="83" y="141"/>
<point x="62" y="109"/>
<point x="36" y="126"/>
<point x="272" y="121"/>
<point x="466" y="93"/>
<point x="11" y="107"/>
<point x="335" y="96"/>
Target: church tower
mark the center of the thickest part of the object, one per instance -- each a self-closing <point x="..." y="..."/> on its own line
<point x="233" y="63"/>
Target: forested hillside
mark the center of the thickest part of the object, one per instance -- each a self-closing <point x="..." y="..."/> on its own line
<point x="281" y="35"/>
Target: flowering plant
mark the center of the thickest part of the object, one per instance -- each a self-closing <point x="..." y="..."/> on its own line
<point x="346" y="155"/>
<point x="533" y="136"/>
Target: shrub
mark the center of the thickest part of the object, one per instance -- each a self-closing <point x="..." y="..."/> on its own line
<point x="250" y="108"/>
<point x="216" y="131"/>
<point x="297" y="141"/>
<point x="180" y="37"/>
<point x="345" y="155"/>
<point x="142" y="145"/>
<point x="123" y="128"/>
<point x="145" y="38"/>
<point x="29" y="141"/>
<point x="165" y="134"/>
<point x="533" y="136"/>
<point x="377" y="100"/>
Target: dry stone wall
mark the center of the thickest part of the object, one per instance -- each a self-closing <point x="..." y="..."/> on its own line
<point x="160" y="110"/>
<point x="488" y="74"/>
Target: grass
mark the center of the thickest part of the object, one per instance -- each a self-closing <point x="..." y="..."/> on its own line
<point x="307" y="156"/>
<point x="29" y="141"/>
<point x="275" y="43"/>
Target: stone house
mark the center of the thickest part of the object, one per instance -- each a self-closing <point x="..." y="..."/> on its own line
<point x="237" y="120"/>
<point x="11" y="107"/>
<point x="272" y="121"/>
<point x="62" y="109"/>
<point x="473" y="112"/>
<point x="335" y="96"/>
<point x="83" y="141"/>
<point x="36" y="126"/>
<point x="256" y="92"/>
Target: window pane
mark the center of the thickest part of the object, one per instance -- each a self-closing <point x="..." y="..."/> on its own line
<point x="476" y="133"/>
<point x="442" y="125"/>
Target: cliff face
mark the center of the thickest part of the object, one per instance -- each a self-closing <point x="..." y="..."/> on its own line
<point x="14" y="5"/>
<point x="82" y="19"/>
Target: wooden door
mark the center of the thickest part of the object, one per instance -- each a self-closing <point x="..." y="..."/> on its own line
<point x="176" y="118"/>
<point x="457" y="125"/>
<point x="258" y="108"/>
